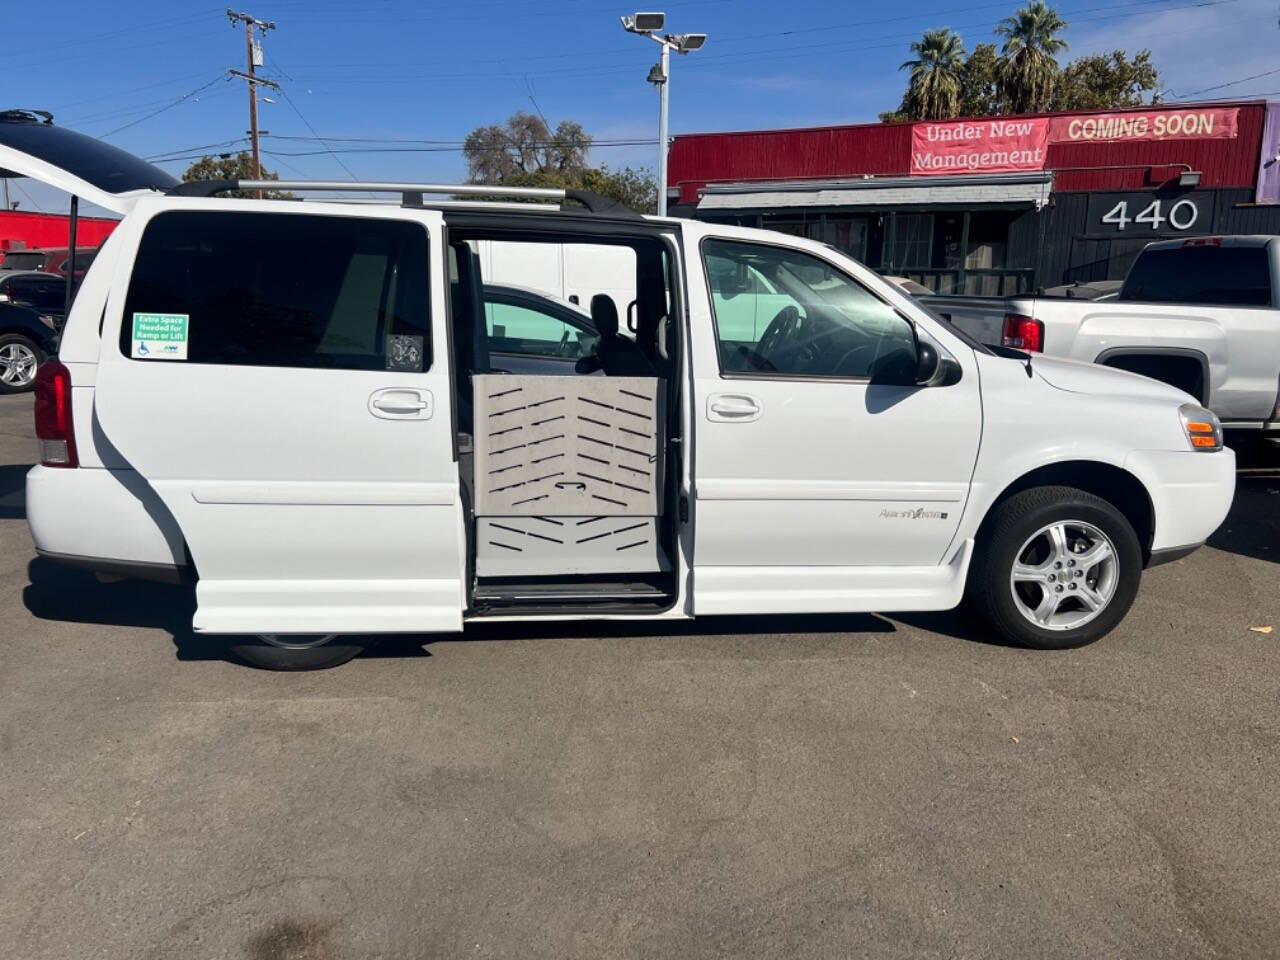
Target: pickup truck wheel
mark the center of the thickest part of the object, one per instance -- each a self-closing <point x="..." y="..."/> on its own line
<point x="272" y="651"/>
<point x="19" y="359"/>
<point x="1058" y="568"/>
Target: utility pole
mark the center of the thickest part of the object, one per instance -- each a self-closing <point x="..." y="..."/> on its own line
<point x="253" y="56"/>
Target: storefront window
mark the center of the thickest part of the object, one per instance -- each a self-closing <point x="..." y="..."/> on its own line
<point x="848" y="234"/>
<point x="913" y="241"/>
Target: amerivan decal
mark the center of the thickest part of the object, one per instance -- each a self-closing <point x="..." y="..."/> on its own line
<point x="160" y="336"/>
<point x="920" y="513"/>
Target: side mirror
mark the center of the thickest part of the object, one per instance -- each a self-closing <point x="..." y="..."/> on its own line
<point x="934" y="370"/>
<point x="928" y="364"/>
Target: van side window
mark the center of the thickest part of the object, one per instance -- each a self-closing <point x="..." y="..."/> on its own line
<point x="286" y="290"/>
<point x="782" y="313"/>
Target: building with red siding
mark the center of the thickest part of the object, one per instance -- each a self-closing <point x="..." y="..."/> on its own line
<point x="27" y="231"/>
<point x="996" y="205"/>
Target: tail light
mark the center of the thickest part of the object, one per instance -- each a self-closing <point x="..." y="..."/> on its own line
<point x="1023" y="333"/>
<point x="54" y="427"/>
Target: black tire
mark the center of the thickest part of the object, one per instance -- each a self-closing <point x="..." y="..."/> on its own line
<point x="16" y="341"/>
<point x="993" y="596"/>
<point x="281" y="655"/>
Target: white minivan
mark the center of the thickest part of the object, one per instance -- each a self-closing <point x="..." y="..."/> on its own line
<point x="297" y="408"/>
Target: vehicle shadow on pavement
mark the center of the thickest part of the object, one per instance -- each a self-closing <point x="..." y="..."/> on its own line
<point x="13" y="490"/>
<point x="1252" y="528"/>
<point x="66" y="594"/>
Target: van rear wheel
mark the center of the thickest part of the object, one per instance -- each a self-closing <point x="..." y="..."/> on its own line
<point x="1057" y="568"/>
<point x="271" y="651"/>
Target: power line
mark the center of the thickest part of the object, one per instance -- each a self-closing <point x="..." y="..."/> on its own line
<point x="119" y="93"/>
<point x="169" y="106"/>
<point x="1220" y="86"/>
<point x="30" y="199"/>
<point x="130" y="111"/>
<point x="805" y="51"/>
<point x="328" y="149"/>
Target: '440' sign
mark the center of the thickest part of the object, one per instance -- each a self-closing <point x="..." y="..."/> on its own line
<point x="1139" y="213"/>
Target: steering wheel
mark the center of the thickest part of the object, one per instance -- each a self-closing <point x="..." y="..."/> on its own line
<point x="777" y="332"/>
<point x="849" y="356"/>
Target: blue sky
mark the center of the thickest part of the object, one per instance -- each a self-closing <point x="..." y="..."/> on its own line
<point x="431" y="71"/>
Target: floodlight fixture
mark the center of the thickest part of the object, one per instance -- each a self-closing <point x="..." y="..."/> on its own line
<point x="1190" y="178"/>
<point x="644" y="22"/>
<point x="688" y="42"/>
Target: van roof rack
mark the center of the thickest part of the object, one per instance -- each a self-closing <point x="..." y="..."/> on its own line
<point x="412" y="194"/>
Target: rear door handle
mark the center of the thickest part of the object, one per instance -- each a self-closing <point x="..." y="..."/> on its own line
<point x="733" y="408"/>
<point x="401" y="403"/>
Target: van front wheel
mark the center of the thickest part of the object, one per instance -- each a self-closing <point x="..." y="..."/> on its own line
<point x="1058" y="568"/>
<point x="272" y="651"/>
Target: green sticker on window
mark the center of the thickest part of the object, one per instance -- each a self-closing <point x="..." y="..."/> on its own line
<point x="160" y="336"/>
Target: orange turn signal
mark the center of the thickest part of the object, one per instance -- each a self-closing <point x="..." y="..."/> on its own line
<point x="1199" y="426"/>
<point x="1201" y="441"/>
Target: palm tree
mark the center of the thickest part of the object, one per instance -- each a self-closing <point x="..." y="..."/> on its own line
<point x="933" y="92"/>
<point x="1028" y="60"/>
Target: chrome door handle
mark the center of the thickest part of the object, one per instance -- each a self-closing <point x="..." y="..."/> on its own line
<point x="401" y="403"/>
<point x="733" y="408"/>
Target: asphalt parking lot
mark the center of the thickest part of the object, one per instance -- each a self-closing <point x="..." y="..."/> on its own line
<point x="788" y="787"/>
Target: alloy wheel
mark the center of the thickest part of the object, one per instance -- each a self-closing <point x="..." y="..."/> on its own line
<point x="1064" y="575"/>
<point x="17" y="364"/>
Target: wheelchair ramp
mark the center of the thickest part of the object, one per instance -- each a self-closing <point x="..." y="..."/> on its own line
<point x="568" y="475"/>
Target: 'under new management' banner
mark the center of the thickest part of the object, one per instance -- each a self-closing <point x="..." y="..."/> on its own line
<point x="1009" y="145"/>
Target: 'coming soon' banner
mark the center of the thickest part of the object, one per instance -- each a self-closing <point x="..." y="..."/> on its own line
<point x="1000" y="145"/>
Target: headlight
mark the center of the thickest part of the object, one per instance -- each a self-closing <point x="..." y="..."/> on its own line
<point x="1202" y="427"/>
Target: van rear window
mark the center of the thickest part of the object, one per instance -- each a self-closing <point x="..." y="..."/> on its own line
<point x="284" y="290"/>
<point x="1229" y="275"/>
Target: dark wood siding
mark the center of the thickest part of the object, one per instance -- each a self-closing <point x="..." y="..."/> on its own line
<point x="1076" y="248"/>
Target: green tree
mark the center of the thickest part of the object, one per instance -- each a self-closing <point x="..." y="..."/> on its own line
<point x="1029" y="66"/>
<point x="631" y="187"/>
<point x="524" y="145"/>
<point x="979" y="82"/>
<point x="933" y="92"/>
<point x="1107" y="80"/>
<point x="232" y="166"/>
<point x="637" y="189"/>
<point x="522" y="152"/>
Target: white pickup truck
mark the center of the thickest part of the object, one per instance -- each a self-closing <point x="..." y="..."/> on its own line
<point x="1201" y="314"/>
<point x="298" y="408"/>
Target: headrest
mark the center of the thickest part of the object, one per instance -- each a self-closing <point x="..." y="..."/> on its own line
<point x="604" y="314"/>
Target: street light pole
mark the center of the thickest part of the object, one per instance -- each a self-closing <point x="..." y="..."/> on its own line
<point x="648" y="25"/>
<point x="663" y="94"/>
